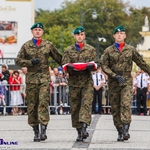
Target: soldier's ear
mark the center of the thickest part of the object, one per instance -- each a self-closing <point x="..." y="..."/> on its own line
<point x="125" y="35"/>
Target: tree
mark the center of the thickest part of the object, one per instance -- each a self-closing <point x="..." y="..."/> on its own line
<point x="111" y="13"/>
<point x="60" y="37"/>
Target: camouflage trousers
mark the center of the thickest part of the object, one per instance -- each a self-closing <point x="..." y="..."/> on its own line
<point x="37" y="100"/>
<point x="120" y="99"/>
<point x="81" y="105"/>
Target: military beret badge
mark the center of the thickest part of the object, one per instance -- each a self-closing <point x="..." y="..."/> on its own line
<point x="78" y="30"/>
<point x="37" y="25"/>
<point x="119" y="29"/>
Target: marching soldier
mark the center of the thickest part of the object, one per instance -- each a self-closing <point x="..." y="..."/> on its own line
<point x="117" y="64"/>
<point x="77" y="57"/>
<point x="34" y="55"/>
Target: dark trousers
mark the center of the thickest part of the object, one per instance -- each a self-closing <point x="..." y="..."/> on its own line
<point x="141" y="100"/>
<point x="97" y="98"/>
<point x="23" y="109"/>
<point x="8" y="110"/>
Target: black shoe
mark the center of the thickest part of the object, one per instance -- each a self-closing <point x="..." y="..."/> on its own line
<point x="79" y="137"/>
<point x="84" y="133"/>
<point x="120" y="137"/>
<point x="43" y="135"/>
<point x="145" y="114"/>
<point x="126" y="134"/>
<point x="120" y="134"/>
<point x="36" y="133"/>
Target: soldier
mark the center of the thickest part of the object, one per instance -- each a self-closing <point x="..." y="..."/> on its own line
<point x="34" y="55"/>
<point x="80" y="82"/>
<point x="117" y="64"/>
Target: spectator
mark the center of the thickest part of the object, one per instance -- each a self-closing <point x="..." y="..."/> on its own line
<point x="62" y="82"/>
<point x="98" y="80"/>
<point x="59" y="68"/>
<point x="5" y="72"/>
<point x="148" y="97"/>
<point x="67" y="104"/>
<point x="55" y="71"/>
<point x="2" y="93"/>
<point x="52" y="90"/>
<point x="105" y="97"/>
<point x="10" y="72"/>
<point x="6" y="76"/>
<point x="134" y="101"/>
<point x="142" y="85"/>
<point x="15" y="94"/>
<point x="105" y="100"/>
<point x="3" y="89"/>
<point x="23" y="88"/>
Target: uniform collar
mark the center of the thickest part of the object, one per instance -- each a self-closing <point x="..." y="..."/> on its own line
<point x="125" y="47"/>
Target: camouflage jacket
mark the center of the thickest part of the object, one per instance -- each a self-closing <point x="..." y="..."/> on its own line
<point x="115" y="62"/>
<point x="37" y="73"/>
<point x="72" y="55"/>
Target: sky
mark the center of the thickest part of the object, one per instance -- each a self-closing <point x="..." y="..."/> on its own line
<point x="56" y="4"/>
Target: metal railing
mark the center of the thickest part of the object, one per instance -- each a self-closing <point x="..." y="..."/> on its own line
<point x="59" y="99"/>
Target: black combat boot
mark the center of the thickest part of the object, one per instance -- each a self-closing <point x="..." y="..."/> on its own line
<point x="79" y="137"/>
<point x="120" y="134"/>
<point x="84" y="133"/>
<point x="43" y="132"/>
<point x="126" y="134"/>
<point x="36" y="133"/>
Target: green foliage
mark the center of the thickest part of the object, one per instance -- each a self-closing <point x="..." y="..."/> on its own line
<point x="111" y="13"/>
<point x="60" y="37"/>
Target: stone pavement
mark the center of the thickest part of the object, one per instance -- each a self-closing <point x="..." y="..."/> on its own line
<point x="61" y="135"/>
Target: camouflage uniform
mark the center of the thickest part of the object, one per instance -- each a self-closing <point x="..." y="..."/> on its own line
<point x="80" y="84"/>
<point x="37" y="79"/>
<point x="120" y="95"/>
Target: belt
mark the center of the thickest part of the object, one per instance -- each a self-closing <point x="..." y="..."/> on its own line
<point x="121" y="73"/>
<point x="38" y="70"/>
<point x="78" y="73"/>
<point x="142" y="88"/>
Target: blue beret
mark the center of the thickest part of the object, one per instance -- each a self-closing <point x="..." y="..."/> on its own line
<point x="79" y="30"/>
<point x="119" y="29"/>
<point x="37" y="25"/>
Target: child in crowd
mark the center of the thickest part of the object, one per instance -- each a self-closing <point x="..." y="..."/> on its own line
<point x="3" y="89"/>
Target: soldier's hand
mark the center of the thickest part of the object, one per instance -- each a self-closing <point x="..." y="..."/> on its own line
<point x="35" y="61"/>
<point x="120" y="79"/>
<point x="70" y="67"/>
<point x="90" y="67"/>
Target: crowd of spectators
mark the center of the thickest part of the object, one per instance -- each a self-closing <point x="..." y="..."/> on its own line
<point x="59" y="92"/>
<point x="141" y="93"/>
<point x="12" y="92"/>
